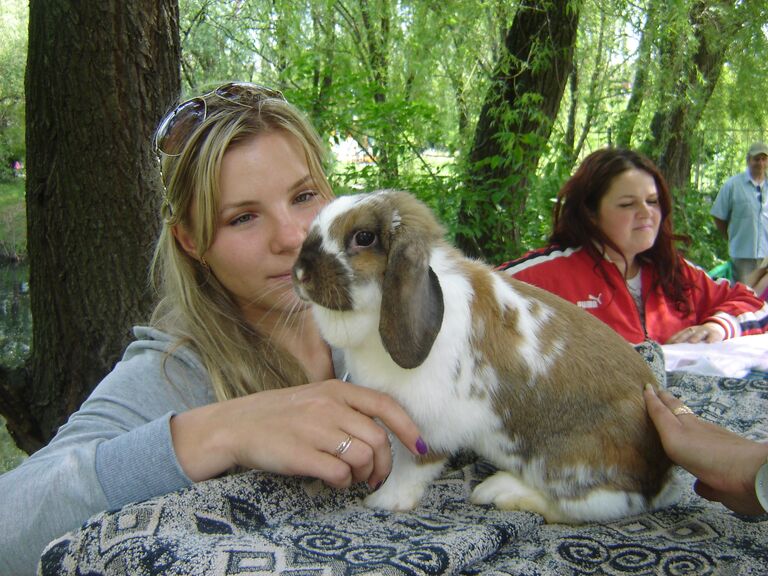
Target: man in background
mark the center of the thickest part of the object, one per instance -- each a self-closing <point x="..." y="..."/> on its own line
<point x="741" y="213"/>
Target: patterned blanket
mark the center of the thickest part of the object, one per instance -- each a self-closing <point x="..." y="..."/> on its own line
<point x="256" y="523"/>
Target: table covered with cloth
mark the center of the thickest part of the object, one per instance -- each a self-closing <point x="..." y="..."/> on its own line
<point x="257" y="523"/>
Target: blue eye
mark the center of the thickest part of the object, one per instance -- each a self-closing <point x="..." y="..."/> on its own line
<point x="306" y="196"/>
<point x="242" y="219"/>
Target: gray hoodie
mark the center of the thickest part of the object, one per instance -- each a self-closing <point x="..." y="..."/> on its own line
<point x="114" y="450"/>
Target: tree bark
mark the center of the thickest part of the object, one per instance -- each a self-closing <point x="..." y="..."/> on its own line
<point x="100" y="75"/>
<point x="324" y="27"/>
<point x="626" y="124"/>
<point x="376" y="28"/>
<point x="673" y="127"/>
<point x="514" y="125"/>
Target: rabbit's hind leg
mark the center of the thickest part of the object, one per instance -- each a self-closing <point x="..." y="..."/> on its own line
<point x="508" y="492"/>
<point x="604" y="504"/>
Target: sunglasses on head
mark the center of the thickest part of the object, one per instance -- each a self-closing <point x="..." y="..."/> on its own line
<point x="179" y="123"/>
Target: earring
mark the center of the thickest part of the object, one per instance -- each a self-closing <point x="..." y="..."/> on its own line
<point x="204" y="262"/>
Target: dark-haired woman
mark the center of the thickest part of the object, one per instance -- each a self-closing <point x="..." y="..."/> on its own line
<point x="612" y="252"/>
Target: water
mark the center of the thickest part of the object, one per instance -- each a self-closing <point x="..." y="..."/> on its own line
<point x="15" y="337"/>
<point x="15" y="315"/>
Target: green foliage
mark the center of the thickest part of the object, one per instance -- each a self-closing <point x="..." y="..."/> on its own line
<point x="434" y="181"/>
<point x="406" y="81"/>
<point x="403" y="78"/>
<point x="13" y="221"/>
<point x="15" y="335"/>
<point x="691" y="218"/>
<point x="13" y="55"/>
<point x="10" y="456"/>
<point x="15" y="315"/>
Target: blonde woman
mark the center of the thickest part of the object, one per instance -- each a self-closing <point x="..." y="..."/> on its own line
<point x="231" y="371"/>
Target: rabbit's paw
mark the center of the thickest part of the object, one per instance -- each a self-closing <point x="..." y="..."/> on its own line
<point x="394" y="497"/>
<point x="507" y="492"/>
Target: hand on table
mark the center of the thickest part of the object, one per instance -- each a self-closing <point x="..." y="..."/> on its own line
<point x="325" y="430"/>
<point x="708" y="332"/>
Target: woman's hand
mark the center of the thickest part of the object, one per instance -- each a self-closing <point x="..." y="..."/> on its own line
<point x="724" y="463"/>
<point x="708" y="332"/>
<point x="296" y="431"/>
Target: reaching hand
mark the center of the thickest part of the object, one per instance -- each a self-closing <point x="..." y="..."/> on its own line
<point x="325" y="430"/>
<point x="724" y="463"/>
<point x="708" y="332"/>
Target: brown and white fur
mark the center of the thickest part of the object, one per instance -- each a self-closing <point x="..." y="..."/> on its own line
<point x="544" y="391"/>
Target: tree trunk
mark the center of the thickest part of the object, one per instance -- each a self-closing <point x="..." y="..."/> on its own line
<point x="673" y="127"/>
<point x="376" y="27"/>
<point x="324" y="28"/>
<point x="514" y="125"/>
<point x="100" y="75"/>
<point x="626" y="124"/>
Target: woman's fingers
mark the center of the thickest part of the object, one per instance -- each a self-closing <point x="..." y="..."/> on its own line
<point x="708" y="332"/>
<point x="327" y="430"/>
<point x="355" y="450"/>
<point x="724" y="463"/>
<point x="369" y="454"/>
<point x="660" y="406"/>
<point x="365" y="405"/>
<point x="308" y="461"/>
<point x="384" y="407"/>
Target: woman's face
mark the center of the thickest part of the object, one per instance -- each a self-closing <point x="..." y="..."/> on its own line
<point x="268" y="200"/>
<point x="629" y="213"/>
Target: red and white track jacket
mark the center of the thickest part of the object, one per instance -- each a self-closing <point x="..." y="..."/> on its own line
<point x="572" y="274"/>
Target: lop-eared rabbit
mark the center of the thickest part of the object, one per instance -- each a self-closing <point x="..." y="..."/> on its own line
<point x="545" y="392"/>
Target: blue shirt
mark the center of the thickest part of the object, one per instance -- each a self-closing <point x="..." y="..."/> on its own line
<point x="744" y="206"/>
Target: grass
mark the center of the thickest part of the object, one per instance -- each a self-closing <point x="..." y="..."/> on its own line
<point x="13" y="220"/>
<point x="13" y="246"/>
<point x="10" y="456"/>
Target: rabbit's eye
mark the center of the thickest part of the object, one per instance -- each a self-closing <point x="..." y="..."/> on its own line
<point x="363" y="239"/>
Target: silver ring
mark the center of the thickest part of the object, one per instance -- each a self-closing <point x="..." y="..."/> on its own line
<point x="343" y="446"/>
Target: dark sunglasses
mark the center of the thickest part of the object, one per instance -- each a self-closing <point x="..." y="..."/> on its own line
<point x="179" y="123"/>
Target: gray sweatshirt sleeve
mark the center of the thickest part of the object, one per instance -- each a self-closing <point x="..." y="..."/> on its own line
<point x="114" y="450"/>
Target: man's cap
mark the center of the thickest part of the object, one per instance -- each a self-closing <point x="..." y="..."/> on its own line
<point x="757" y="148"/>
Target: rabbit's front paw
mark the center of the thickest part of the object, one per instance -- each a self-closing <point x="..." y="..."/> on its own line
<point x="394" y="497"/>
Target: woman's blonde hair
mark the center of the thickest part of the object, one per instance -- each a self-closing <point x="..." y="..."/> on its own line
<point x="193" y="306"/>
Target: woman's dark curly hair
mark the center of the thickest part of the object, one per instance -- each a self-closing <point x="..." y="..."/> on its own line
<point x="574" y="222"/>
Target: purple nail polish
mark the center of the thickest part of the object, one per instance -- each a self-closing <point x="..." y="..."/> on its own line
<point x="421" y="446"/>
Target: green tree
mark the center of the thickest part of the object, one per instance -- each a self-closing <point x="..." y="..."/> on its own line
<point x="440" y="62"/>
<point x="94" y="95"/>
<point x="515" y="124"/>
<point x="520" y="91"/>
<point x="698" y="53"/>
<point x="13" y="49"/>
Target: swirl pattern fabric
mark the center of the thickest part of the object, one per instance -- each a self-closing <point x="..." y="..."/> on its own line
<point x="257" y="523"/>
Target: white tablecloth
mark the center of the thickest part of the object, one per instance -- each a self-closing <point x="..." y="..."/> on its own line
<point x="734" y="358"/>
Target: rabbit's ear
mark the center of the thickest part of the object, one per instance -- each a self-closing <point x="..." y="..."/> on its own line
<point x="411" y="303"/>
